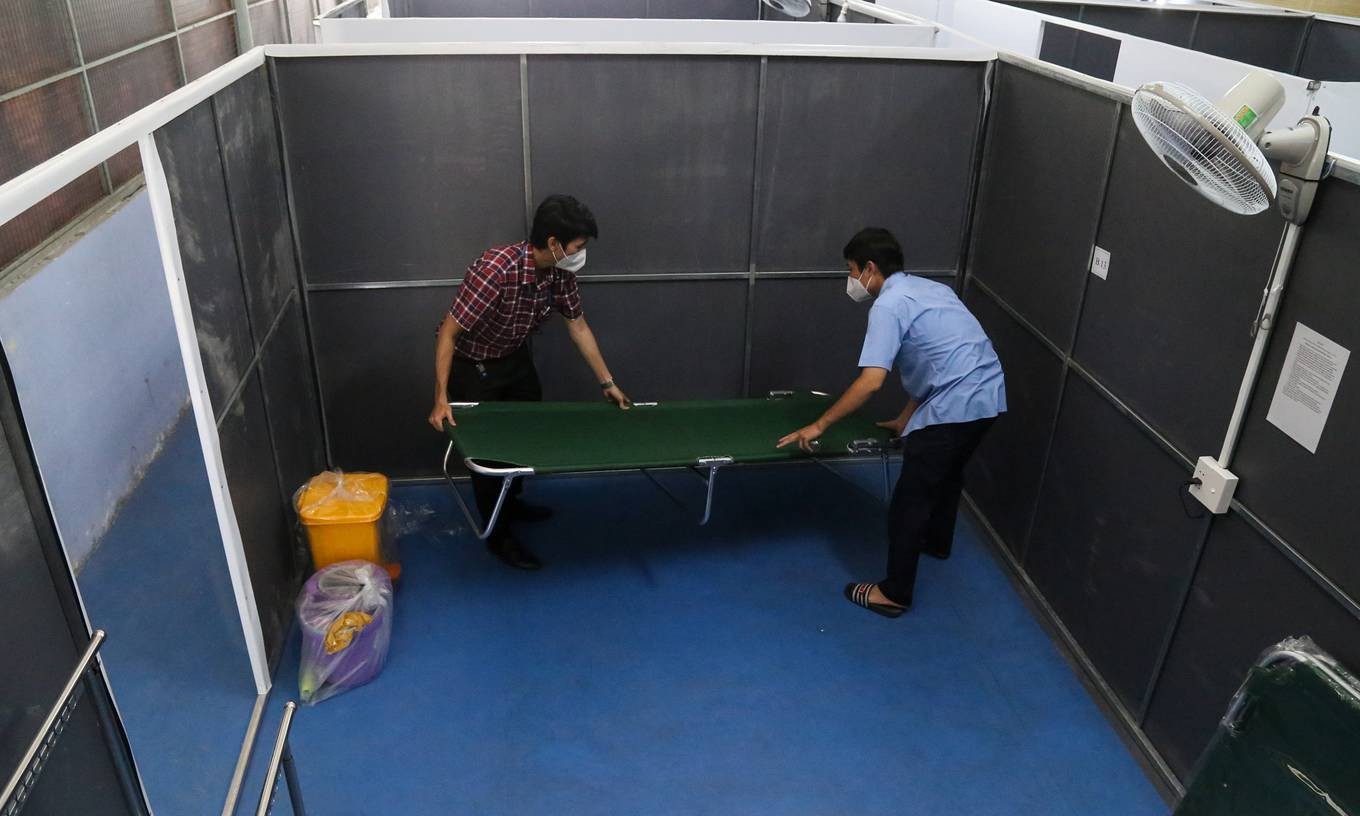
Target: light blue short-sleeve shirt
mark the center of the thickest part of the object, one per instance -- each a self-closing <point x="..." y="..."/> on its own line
<point x="945" y="359"/>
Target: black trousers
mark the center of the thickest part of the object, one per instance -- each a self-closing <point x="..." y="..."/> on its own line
<point x="511" y="378"/>
<point x="925" y="502"/>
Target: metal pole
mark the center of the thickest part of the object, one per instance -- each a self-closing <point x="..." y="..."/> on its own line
<point x="1264" y="326"/>
<point x="245" y="39"/>
<point x="271" y="779"/>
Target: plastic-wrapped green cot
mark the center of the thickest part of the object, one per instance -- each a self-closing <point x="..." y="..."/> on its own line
<point x="1289" y="745"/>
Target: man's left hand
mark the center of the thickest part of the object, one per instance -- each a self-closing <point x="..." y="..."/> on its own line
<point x="615" y="395"/>
<point x="805" y="437"/>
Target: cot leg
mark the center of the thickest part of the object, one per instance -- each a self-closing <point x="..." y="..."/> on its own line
<point x="708" y="502"/>
<point x="506" y="482"/>
<point x="887" y="482"/>
<point x="712" y="463"/>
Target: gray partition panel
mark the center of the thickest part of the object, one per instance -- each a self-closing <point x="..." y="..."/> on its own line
<point x="1246" y="597"/>
<point x="1003" y="477"/>
<point x="664" y="162"/>
<point x="807" y="335"/>
<point x="402" y="167"/>
<point x="663" y="340"/>
<point x="44" y="639"/>
<point x="290" y="394"/>
<point x="1172" y="27"/>
<point x="1038" y="208"/>
<point x="856" y="143"/>
<point x="460" y="8"/>
<point x="250" y="153"/>
<point x="704" y="9"/>
<point x="1092" y="54"/>
<point x="1332" y="52"/>
<point x="1269" y="41"/>
<point x="1169" y="330"/>
<point x="375" y="354"/>
<point x="198" y="196"/>
<point x="588" y="8"/>
<point x="1112" y="546"/>
<point x="1310" y="498"/>
<point x="248" y="456"/>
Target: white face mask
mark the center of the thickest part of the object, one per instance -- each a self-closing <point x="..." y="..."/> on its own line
<point x="572" y="262"/>
<point x="857" y="291"/>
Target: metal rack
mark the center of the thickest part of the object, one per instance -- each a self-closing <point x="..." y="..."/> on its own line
<point x="25" y="777"/>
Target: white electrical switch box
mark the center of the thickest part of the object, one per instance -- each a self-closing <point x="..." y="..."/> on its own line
<point x="1216" y="485"/>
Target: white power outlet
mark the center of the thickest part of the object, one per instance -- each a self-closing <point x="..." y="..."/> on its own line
<point x="1216" y="485"/>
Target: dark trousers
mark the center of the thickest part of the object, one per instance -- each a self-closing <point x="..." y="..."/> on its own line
<point x="925" y="502"/>
<point x="512" y="378"/>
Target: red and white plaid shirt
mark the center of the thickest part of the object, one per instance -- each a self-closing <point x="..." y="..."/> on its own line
<point x="503" y="298"/>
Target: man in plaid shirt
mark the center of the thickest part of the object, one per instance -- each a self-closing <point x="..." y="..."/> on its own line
<point x="482" y="353"/>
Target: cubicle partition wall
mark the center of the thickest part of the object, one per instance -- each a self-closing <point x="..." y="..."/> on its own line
<point x="225" y="177"/>
<point x="1319" y="47"/>
<point x="718" y="269"/>
<point x="1118" y="381"/>
<point x="316" y="208"/>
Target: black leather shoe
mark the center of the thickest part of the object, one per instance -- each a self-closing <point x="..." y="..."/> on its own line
<point x="523" y="511"/>
<point x="943" y="556"/>
<point x="515" y="554"/>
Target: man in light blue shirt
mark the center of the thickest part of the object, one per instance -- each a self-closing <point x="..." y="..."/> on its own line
<point x="956" y="390"/>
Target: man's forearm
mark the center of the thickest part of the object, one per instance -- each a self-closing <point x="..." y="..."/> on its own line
<point x="851" y="401"/>
<point x="443" y="361"/>
<point x="590" y="352"/>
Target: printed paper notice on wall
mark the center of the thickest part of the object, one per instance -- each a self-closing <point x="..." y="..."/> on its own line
<point x="1100" y="263"/>
<point x="1308" y="382"/>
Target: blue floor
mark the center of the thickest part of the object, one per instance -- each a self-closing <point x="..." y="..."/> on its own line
<point x="655" y="667"/>
<point x="175" y="655"/>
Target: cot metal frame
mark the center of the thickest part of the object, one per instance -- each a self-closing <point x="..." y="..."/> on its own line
<point x="705" y="467"/>
<point x="1299" y="654"/>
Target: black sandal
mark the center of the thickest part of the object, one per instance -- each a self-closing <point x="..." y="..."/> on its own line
<point x="858" y="594"/>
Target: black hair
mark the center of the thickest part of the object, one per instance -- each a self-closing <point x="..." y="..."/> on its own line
<point x="878" y="245"/>
<point x="564" y="218"/>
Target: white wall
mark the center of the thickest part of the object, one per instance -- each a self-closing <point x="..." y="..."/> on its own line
<point x="91" y="341"/>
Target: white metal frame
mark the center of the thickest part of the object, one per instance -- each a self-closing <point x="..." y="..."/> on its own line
<point x="335" y="31"/>
<point x="158" y="190"/>
<point x="639" y="47"/>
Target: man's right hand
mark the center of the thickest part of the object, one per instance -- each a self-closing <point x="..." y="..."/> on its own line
<point x="894" y="425"/>
<point x="441" y="413"/>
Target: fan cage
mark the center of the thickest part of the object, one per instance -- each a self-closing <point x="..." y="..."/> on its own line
<point x="1204" y="146"/>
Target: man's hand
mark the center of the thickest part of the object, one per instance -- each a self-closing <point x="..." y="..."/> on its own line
<point x="894" y="425"/>
<point x="806" y="437"/>
<point x="615" y="395"/>
<point x="441" y="412"/>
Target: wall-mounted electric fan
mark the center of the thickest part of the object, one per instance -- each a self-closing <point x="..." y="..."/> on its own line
<point x="1223" y="151"/>
<point x="1214" y="148"/>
